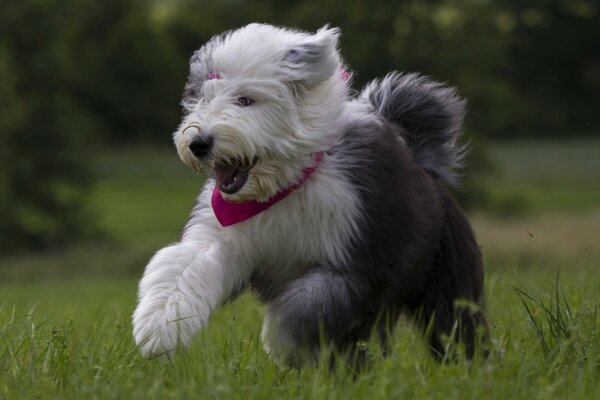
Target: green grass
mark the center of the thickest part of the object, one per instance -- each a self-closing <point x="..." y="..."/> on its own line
<point x="146" y="193"/>
<point x="546" y="176"/>
<point x="65" y="328"/>
<point x="72" y="340"/>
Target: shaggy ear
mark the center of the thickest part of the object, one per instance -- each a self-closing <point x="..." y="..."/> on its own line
<point x="315" y="59"/>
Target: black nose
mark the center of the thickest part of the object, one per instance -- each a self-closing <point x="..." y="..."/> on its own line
<point x="201" y="146"/>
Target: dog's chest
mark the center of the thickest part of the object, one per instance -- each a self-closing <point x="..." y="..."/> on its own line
<point x="311" y="227"/>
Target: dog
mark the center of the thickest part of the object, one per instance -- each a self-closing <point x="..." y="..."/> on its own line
<point x="333" y="207"/>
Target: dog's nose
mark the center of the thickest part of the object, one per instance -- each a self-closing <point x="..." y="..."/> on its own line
<point x="201" y="145"/>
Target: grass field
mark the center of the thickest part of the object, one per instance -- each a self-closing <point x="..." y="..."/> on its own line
<point x="65" y="327"/>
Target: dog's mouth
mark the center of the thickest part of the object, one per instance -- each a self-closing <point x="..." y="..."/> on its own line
<point x="232" y="175"/>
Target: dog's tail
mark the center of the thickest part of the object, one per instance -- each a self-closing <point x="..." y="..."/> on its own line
<point x="429" y="116"/>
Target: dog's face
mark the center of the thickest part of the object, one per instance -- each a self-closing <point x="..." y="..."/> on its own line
<point x="258" y="103"/>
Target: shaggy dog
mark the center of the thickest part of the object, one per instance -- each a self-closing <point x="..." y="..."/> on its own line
<point x="333" y="209"/>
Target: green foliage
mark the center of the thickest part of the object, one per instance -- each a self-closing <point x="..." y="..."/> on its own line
<point x="526" y="67"/>
<point x="555" y="67"/>
<point x="43" y="176"/>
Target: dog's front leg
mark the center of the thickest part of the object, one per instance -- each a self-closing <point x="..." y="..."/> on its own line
<point x="181" y="286"/>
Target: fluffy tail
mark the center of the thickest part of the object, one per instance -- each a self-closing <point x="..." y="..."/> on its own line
<point x="429" y="116"/>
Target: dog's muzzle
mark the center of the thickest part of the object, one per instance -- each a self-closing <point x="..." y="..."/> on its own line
<point x="231" y="174"/>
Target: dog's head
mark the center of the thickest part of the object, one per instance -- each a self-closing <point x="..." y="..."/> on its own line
<point x="259" y="102"/>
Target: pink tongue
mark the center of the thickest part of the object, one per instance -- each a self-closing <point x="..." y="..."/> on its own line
<point x="225" y="174"/>
<point x="230" y="179"/>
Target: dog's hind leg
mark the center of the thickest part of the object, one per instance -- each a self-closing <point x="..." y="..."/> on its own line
<point x="319" y="308"/>
<point x="447" y="321"/>
<point x="452" y="306"/>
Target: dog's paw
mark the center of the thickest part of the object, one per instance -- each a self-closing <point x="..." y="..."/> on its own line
<point x="154" y="330"/>
<point x="160" y="324"/>
<point x="170" y="310"/>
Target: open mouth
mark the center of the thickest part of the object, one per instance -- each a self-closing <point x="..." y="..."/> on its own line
<point x="232" y="176"/>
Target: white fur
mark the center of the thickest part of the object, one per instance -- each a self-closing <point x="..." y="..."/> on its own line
<point x="185" y="282"/>
<point x="279" y="129"/>
<point x="300" y="108"/>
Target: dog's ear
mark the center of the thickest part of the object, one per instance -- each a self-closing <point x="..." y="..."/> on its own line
<point x="315" y="59"/>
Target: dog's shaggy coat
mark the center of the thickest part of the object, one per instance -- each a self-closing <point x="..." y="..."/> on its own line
<point x="372" y="233"/>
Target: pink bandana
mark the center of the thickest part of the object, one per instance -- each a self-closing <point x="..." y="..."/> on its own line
<point x="229" y="213"/>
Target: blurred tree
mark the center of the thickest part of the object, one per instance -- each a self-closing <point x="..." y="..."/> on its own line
<point x="43" y="176"/>
<point x="555" y="67"/>
<point x="528" y="67"/>
<point x="126" y="71"/>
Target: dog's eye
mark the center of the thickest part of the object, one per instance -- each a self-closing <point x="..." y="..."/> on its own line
<point x="244" y="101"/>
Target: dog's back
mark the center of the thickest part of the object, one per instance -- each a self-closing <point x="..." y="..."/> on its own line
<point x="428" y="116"/>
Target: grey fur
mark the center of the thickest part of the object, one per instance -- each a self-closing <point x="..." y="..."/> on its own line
<point x="429" y="116"/>
<point x="416" y="252"/>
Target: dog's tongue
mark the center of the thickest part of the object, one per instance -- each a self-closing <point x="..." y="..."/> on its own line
<point x="230" y="179"/>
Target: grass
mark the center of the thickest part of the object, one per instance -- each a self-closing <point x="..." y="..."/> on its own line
<point x="547" y="176"/>
<point x="72" y="340"/>
<point x="65" y="316"/>
<point x="147" y="193"/>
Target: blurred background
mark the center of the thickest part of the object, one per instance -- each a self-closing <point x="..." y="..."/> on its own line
<point x="90" y="184"/>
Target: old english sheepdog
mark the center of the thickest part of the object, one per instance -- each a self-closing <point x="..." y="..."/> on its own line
<point x="331" y="207"/>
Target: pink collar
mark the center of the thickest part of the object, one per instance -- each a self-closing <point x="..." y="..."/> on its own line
<point x="229" y="213"/>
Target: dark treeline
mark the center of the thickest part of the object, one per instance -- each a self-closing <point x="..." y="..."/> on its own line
<point x="528" y="67"/>
<point x="79" y="73"/>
